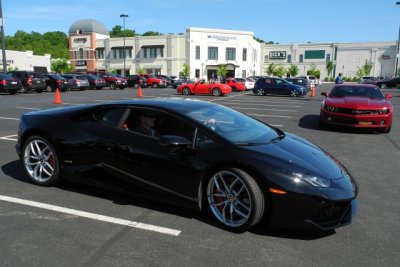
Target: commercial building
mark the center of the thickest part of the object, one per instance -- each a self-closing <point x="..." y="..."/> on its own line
<point x="26" y="61"/>
<point x="204" y="50"/>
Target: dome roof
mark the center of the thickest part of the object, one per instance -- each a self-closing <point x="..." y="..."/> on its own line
<point x="85" y="26"/>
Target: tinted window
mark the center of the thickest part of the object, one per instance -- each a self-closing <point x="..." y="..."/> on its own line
<point x="341" y="91"/>
<point x="110" y="116"/>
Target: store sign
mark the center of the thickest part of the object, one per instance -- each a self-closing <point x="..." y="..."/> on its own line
<point x="81" y="63"/>
<point x="277" y="55"/>
<point x="80" y="40"/>
<point x="223" y="38"/>
<point x="385" y="57"/>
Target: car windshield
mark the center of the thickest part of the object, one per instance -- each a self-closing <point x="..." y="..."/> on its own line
<point x="235" y="126"/>
<point x="371" y="92"/>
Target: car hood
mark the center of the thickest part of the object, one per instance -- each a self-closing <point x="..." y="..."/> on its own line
<point x="295" y="154"/>
<point x="355" y="102"/>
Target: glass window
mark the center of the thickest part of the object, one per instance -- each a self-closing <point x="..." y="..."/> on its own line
<point x="244" y="54"/>
<point x="328" y="57"/>
<point x="230" y="53"/>
<point x="161" y="51"/>
<point x="243" y="73"/>
<point x="145" y="52"/>
<point x="114" y="53"/>
<point x="80" y="53"/>
<point x="213" y="52"/>
<point x="289" y="58"/>
<point x="153" y="52"/>
<point x="110" y="116"/>
<point x="121" y="53"/>
<point x="301" y="58"/>
<point x="197" y="52"/>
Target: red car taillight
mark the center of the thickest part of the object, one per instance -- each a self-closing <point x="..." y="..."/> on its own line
<point x="29" y="81"/>
<point x="59" y="81"/>
<point x="3" y="82"/>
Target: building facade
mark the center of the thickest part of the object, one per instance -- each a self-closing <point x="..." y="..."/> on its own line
<point x="26" y="61"/>
<point x="204" y="50"/>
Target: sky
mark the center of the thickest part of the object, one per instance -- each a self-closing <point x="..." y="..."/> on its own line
<point x="280" y="21"/>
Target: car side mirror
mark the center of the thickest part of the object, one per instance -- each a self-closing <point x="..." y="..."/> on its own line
<point x="324" y="93"/>
<point x="388" y="96"/>
<point x="174" y="141"/>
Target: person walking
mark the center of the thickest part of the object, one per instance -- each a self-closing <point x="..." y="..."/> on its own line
<point x="339" y="79"/>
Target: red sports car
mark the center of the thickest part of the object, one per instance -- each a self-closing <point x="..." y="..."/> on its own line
<point x="235" y="85"/>
<point x="202" y="87"/>
<point x="357" y="106"/>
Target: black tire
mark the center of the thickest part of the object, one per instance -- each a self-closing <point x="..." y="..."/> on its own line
<point x="384" y="86"/>
<point x="260" y="91"/>
<point x="49" y="88"/>
<point x="234" y="89"/>
<point x="99" y="88"/>
<point x="39" y="91"/>
<point x="113" y="86"/>
<point x="12" y="92"/>
<point x="237" y="191"/>
<point x="216" y="92"/>
<point x="23" y="90"/>
<point x="186" y="91"/>
<point x="155" y="85"/>
<point x="322" y="124"/>
<point x="387" y="130"/>
<point x="40" y="160"/>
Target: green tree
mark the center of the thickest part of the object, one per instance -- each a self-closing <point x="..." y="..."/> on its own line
<point x="314" y="71"/>
<point x="151" y="33"/>
<point x="141" y="71"/>
<point x="329" y="67"/>
<point x="367" y="67"/>
<point x="60" y="66"/>
<point x="270" y="69"/>
<point x="117" y="31"/>
<point x="293" y="70"/>
<point x="221" y="71"/>
<point x="279" y="71"/>
<point x="186" y="70"/>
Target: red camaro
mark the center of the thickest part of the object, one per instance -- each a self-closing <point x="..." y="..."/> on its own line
<point x="201" y="87"/>
<point x="357" y="106"/>
<point x="235" y="85"/>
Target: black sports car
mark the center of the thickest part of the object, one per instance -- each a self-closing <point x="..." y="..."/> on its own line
<point x="206" y="155"/>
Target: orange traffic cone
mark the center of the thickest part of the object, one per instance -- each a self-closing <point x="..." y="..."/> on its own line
<point x="57" y="98"/>
<point x="313" y="90"/>
<point x="139" y="92"/>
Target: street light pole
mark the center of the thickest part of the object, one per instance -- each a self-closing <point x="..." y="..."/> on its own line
<point x="3" y="41"/>
<point x="123" y="16"/>
<point x="397" y="49"/>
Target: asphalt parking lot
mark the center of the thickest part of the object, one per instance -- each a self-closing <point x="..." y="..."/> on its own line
<point x="78" y="225"/>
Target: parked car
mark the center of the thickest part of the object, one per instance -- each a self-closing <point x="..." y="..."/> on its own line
<point x="277" y="86"/>
<point x="169" y="79"/>
<point x="235" y="84"/>
<point x="387" y="83"/>
<point x="136" y="80"/>
<point x="95" y="82"/>
<point x="153" y="81"/>
<point x="237" y="169"/>
<point x="112" y="80"/>
<point x="77" y="81"/>
<point x="31" y="81"/>
<point x="300" y="81"/>
<point x="8" y="84"/>
<point x="55" y="81"/>
<point x="311" y="79"/>
<point x="203" y="87"/>
<point x="357" y="106"/>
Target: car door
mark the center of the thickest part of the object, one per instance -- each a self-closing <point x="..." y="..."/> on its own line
<point x="202" y="88"/>
<point x="281" y="87"/>
<point x="142" y="159"/>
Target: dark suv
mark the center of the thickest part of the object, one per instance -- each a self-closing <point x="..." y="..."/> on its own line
<point x="30" y="80"/>
<point x="300" y="81"/>
<point x="277" y="86"/>
<point x="136" y="80"/>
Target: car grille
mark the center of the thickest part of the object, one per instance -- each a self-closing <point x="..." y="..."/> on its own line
<point x="331" y="214"/>
<point x="358" y="111"/>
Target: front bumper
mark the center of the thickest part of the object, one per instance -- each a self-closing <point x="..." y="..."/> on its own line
<point x="356" y="121"/>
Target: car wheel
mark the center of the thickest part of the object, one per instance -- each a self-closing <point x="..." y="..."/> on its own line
<point x="234" y="89"/>
<point x="260" y="91"/>
<point x="294" y="93"/>
<point x="113" y="86"/>
<point x="155" y="85"/>
<point x="41" y="161"/>
<point x="12" y="92"/>
<point x="99" y="88"/>
<point x="383" y="86"/>
<point x="216" y="92"/>
<point x="39" y="91"/>
<point x="186" y="91"/>
<point x="23" y="89"/>
<point x="322" y="124"/>
<point x="235" y="199"/>
<point x="48" y="88"/>
<point x="387" y="130"/>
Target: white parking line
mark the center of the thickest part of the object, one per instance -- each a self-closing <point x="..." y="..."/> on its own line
<point x="267" y="101"/>
<point x="6" y="118"/>
<point x="28" y="108"/>
<point x="274" y="116"/>
<point x="8" y="137"/>
<point x="264" y="105"/>
<point x="270" y="109"/>
<point x="93" y="216"/>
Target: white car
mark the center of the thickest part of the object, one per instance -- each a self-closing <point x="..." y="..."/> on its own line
<point x="249" y="83"/>
<point x="312" y="79"/>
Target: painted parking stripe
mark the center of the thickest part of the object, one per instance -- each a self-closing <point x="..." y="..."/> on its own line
<point x="269" y="109"/>
<point x="267" y="101"/>
<point x="27" y="108"/>
<point x="143" y="226"/>
<point x="273" y="116"/>
<point x="9" y="137"/>
<point x="264" y="105"/>
<point x="7" y="118"/>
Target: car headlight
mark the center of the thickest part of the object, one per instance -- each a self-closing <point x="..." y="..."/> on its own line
<point x="331" y="108"/>
<point x="383" y="111"/>
<point x="311" y="179"/>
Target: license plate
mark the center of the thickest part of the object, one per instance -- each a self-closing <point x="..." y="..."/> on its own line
<point x="365" y="123"/>
<point x="13" y="82"/>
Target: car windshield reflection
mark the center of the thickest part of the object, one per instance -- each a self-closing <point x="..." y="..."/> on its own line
<point x="233" y="126"/>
